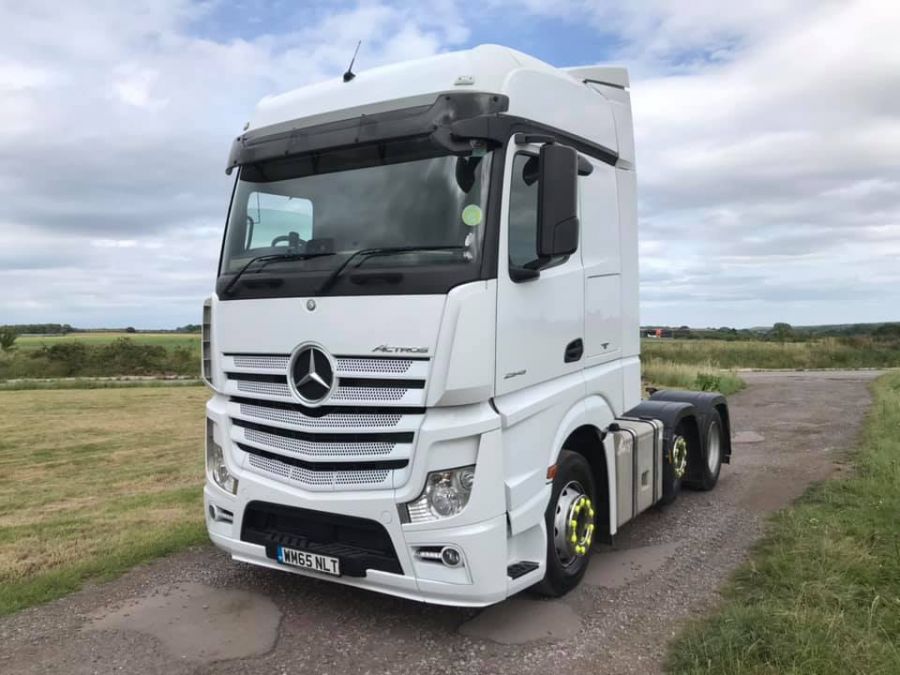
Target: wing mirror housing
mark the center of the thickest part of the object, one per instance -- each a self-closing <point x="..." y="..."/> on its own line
<point x="557" y="227"/>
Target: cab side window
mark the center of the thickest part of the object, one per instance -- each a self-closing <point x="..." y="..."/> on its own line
<point x="523" y="210"/>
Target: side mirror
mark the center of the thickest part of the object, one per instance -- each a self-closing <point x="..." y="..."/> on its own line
<point x="557" y="226"/>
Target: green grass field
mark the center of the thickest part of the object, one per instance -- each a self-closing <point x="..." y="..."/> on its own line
<point x="824" y="353"/>
<point x="821" y="592"/>
<point x="94" y="482"/>
<point x="167" y="340"/>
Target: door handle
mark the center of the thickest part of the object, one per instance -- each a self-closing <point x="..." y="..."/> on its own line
<point x="574" y="350"/>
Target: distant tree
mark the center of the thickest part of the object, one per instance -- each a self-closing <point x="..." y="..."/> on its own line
<point x="782" y="331"/>
<point x="39" y="328"/>
<point x="130" y="329"/>
<point x="887" y="330"/>
<point x="7" y="339"/>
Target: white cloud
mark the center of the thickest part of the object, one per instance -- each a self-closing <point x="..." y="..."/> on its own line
<point x="782" y="161"/>
<point x="114" y="132"/>
<point x="767" y="134"/>
<point x="19" y="76"/>
<point x="133" y="86"/>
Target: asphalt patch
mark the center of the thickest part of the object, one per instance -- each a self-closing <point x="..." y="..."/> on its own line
<point x="615" y="569"/>
<point x="522" y="619"/>
<point x="198" y="622"/>
<point x="748" y="437"/>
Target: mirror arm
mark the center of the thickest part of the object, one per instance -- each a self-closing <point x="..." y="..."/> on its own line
<point x="519" y="274"/>
<point x="525" y="139"/>
<point x="585" y="168"/>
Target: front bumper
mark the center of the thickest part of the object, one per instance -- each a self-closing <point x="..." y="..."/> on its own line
<point x="479" y="532"/>
<point x="480" y="581"/>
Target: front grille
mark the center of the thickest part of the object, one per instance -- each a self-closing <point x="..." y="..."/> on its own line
<point x="368" y="394"/>
<point x="314" y="449"/>
<point x="296" y="418"/>
<point x="360" y="544"/>
<point x="365" y="430"/>
<point x="315" y="445"/>
<point x="321" y="479"/>
<point x="267" y="388"/>
<point x="261" y="361"/>
<point x="350" y="364"/>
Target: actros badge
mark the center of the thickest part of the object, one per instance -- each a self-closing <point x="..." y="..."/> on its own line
<point x="388" y="349"/>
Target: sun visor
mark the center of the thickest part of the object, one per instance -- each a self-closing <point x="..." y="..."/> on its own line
<point x="284" y="140"/>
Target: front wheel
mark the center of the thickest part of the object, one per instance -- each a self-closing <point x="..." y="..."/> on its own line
<point x="570" y="525"/>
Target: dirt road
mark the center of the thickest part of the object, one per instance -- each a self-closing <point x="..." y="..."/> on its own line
<point x="198" y="612"/>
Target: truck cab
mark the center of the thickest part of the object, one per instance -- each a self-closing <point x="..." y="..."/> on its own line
<point x="423" y="346"/>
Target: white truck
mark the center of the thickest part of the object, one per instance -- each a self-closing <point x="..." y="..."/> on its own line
<point x="423" y="347"/>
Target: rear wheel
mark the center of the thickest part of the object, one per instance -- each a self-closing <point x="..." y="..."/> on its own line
<point x="570" y="525"/>
<point x="705" y="468"/>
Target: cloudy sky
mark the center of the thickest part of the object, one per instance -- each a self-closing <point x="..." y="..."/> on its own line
<point x="768" y="139"/>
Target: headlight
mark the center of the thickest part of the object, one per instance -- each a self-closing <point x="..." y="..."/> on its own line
<point x="215" y="462"/>
<point x="446" y="493"/>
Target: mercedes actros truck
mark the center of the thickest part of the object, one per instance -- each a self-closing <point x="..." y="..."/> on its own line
<point x="423" y="346"/>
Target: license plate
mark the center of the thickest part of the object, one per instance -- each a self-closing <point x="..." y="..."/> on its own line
<point x="309" y="561"/>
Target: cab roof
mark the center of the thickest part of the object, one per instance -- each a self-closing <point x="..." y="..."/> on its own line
<point x="536" y="90"/>
<point x="486" y="68"/>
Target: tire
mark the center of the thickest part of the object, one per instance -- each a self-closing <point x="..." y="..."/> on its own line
<point x="705" y="465"/>
<point x="566" y="564"/>
<point x="675" y="463"/>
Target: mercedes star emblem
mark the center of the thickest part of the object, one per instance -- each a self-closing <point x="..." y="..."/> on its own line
<point x="312" y="374"/>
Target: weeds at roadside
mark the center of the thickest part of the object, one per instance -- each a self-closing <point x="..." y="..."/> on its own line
<point x="65" y="358"/>
<point x="664" y="374"/>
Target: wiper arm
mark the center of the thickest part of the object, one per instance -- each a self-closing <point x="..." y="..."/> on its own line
<point x="364" y="253"/>
<point x="265" y="260"/>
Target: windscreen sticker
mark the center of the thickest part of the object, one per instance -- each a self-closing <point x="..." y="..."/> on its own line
<point x="471" y="215"/>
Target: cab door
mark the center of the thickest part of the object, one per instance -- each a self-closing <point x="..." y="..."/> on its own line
<point x="600" y="255"/>
<point x="540" y="320"/>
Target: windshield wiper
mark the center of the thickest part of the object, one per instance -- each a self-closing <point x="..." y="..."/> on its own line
<point x="265" y="260"/>
<point x="364" y="253"/>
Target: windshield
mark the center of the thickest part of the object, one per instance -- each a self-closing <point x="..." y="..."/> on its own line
<point x="378" y="196"/>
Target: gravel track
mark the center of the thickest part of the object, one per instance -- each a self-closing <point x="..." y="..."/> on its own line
<point x="169" y="616"/>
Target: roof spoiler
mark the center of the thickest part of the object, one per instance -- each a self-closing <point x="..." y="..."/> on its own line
<point x="614" y="76"/>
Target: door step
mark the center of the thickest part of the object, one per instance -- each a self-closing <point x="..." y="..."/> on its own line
<point x="522" y="568"/>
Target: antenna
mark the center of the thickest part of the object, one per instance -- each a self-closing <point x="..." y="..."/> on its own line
<point x="349" y="75"/>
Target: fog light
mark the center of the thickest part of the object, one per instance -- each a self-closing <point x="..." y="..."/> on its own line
<point x="451" y="557"/>
<point x="220" y="515"/>
<point x="446" y="493"/>
<point x="215" y="462"/>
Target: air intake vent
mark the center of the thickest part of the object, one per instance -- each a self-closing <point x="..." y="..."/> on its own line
<point x="206" y="342"/>
<point x="361" y="544"/>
